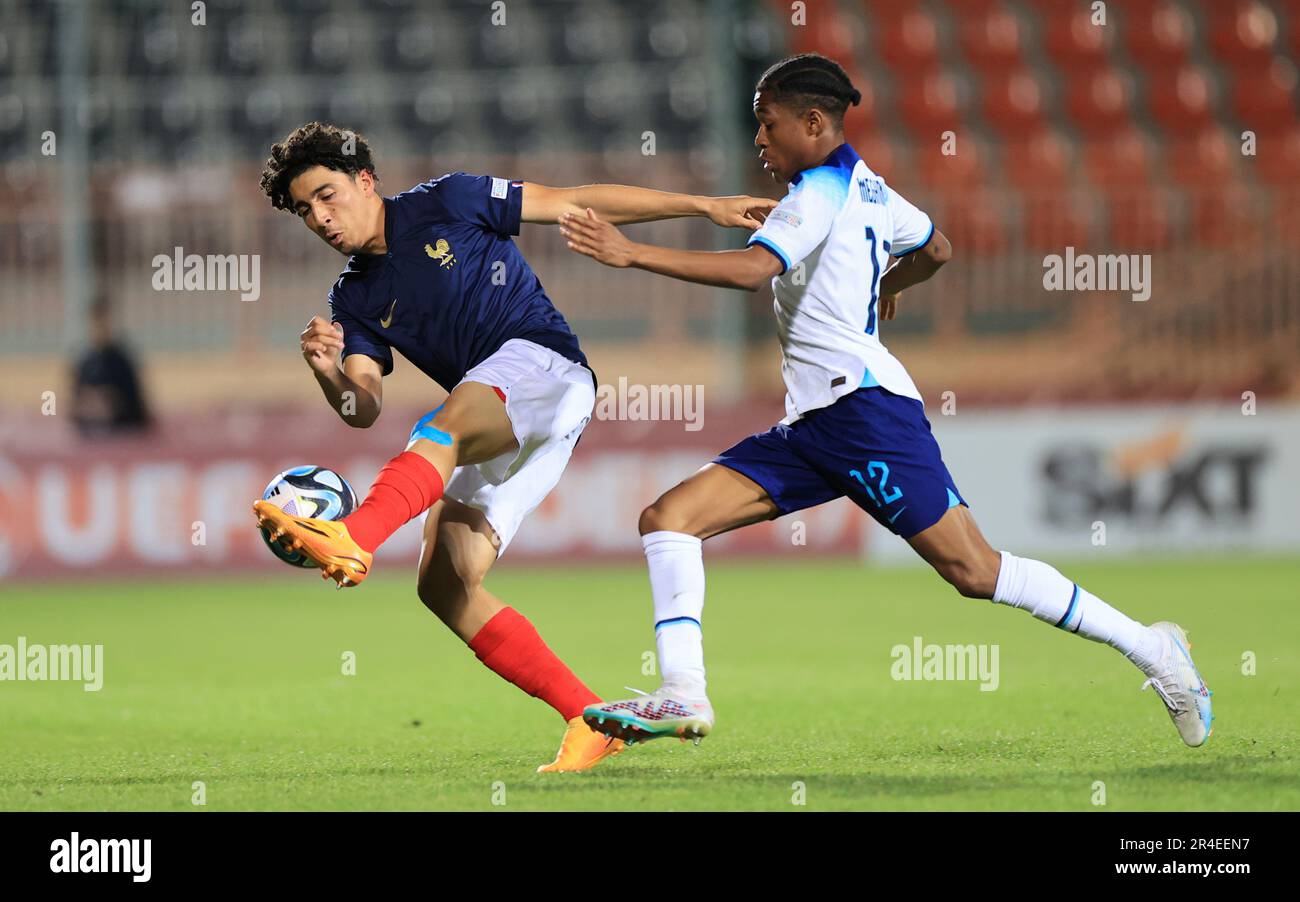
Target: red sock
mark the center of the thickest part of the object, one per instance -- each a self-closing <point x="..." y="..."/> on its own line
<point x="406" y="487"/>
<point x="510" y="646"/>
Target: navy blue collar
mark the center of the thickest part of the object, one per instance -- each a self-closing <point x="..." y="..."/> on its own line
<point x="843" y="157"/>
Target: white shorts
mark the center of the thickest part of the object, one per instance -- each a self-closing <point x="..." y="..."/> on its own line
<point x="549" y="400"/>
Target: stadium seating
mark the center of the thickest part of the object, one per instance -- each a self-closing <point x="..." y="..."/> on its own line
<point x="1173" y="126"/>
<point x="1003" y="69"/>
<point x="1159" y="36"/>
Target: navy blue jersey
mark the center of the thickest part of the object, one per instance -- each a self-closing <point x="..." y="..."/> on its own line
<point x="453" y="287"/>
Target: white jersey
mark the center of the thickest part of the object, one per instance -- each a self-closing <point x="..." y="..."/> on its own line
<point x="834" y="234"/>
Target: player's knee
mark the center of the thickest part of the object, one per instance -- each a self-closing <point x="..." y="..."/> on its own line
<point x="971" y="579"/>
<point x="437" y="426"/>
<point x="664" y="515"/>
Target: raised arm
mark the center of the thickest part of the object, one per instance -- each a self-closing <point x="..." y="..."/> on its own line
<point x="749" y="269"/>
<point x="623" y="203"/>
<point x="355" y="390"/>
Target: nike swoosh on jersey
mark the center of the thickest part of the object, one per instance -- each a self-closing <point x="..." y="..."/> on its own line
<point x="388" y="320"/>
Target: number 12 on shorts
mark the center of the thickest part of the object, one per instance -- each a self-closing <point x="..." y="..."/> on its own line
<point x="878" y="472"/>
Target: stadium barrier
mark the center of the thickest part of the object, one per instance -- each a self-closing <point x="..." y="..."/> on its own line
<point x="1073" y="482"/>
<point x="1082" y="482"/>
<point x="181" y="501"/>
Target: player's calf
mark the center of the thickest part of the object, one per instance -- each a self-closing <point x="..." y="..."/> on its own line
<point x="956" y="549"/>
<point x="972" y="577"/>
<point x="460" y="548"/>
<point x="958" y="552"/>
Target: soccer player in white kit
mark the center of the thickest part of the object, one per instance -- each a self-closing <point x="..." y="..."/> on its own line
<point x="855" y="421"/>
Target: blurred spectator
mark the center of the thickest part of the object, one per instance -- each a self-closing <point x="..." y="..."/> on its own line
<point x="106" y="395"/>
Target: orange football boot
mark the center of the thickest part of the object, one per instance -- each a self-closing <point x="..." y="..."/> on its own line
<point x="326" y="542"/>
<point x="581" y="748"/>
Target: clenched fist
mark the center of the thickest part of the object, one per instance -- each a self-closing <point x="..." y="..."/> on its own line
<point x="322" y="343"/>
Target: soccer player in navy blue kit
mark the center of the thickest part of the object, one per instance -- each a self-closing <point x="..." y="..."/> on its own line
<point x="433" y="274"/>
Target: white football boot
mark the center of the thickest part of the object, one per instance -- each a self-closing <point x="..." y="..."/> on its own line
<point x="1180" y="687"/>
<point x="651" y="715"/>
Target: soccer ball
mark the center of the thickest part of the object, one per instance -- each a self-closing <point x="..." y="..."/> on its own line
<point x="307" y="492"/>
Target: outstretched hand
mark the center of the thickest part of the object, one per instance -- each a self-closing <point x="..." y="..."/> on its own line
<point x="740" y="211"/>
<point x="594" y="237"/>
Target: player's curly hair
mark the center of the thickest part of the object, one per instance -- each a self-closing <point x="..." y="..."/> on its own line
<point x="313" y="144"/>
<point x="810" y="80"/>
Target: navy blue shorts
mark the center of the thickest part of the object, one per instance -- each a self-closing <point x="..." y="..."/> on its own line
<point x="871" y="444"/>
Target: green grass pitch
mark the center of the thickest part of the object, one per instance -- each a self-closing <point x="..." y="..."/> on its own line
<point x="240" y="685"/>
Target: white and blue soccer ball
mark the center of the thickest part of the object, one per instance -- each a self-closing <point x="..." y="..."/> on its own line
<point x="308" y="492"/>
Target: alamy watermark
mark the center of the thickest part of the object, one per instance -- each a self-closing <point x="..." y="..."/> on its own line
<point x="633" y="401"/>
<point x="919" y="661"/>
<point x="1098" y="272"/>
<point x="208" y="272"/>
<point x="36" y="662"/>
<point x="75" y="855"/>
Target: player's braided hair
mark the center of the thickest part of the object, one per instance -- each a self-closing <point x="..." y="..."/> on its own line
<point x="313" y="144"/>
<point x="811" y="80"/>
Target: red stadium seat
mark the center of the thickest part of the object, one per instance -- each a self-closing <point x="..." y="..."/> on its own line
<point x="1039" y="160"/>
<point x="991" y="39"/>
<point x="1293" y="37"/>
<point x="932" y="107"/>
<point x="879" y="12"/>
<point x="1065" y="7"/>
<point x="825" y="31"/>
<point x="890" y="9"/>
<point x="1014" y="102"/>
<point x="1180" y="99"/>
<point x="1160" y="36"/>
<point x="968" y="7"/>
<point x="1119" y="162"/>
<point x="1277" y="158"/>
<point x="1077" y="45"/>
<point x="1137" y="220"/>
<point x="883" y="155"/>
<point x="1223" y="216"/>
<point x="1284" y="223"/>
<point x="1265" y="101"/>
<point x="969" y="167"/>
<point x="910" y="44"/>
<point x="972" y="221"/>
<point x="1054" y="220"/>
<point x="1054" y="7"/>
<point x="1100" y="102"/>
<point x="1206" y="157"/>
<point x="867" y="112"/>
<point x="1243" y="33"/>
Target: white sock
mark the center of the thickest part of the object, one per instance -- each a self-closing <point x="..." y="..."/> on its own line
<point x="1041" y="590"/>
<point x="676" y="563"/>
